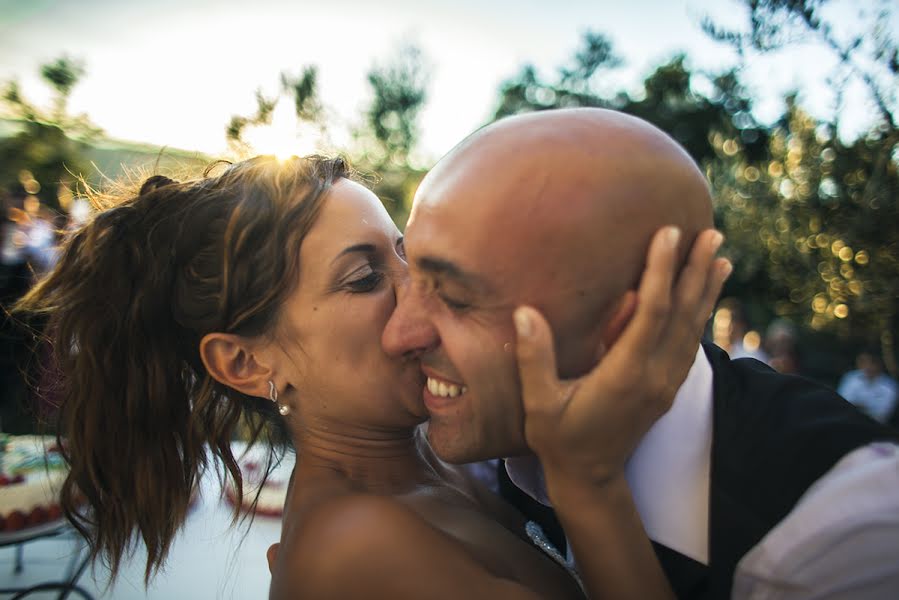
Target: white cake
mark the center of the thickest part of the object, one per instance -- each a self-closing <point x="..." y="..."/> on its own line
<point x="274" y="490"/>
<point x="31" y="475"/>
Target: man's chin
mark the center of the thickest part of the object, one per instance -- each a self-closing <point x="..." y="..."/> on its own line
<point x="453" y="449"/>
<point x="449" y="449"/>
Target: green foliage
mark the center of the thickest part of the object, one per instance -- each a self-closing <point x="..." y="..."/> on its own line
<point x="384" y="143"/>
<point x="573" y="87"/>
<point x="869" y="55"/>
<point x="398" y="89"/>
<point x="49" y="145"/>
<point x="804" y="214"/>
<point x="62" y="74"/>
<point x="667" y="100"/>
<point x="234" y="131"/>
<point x="304" y="89"/>
<point x="812" y="213"/>
<point x="595" y="54"/>
<point x="815" y="215"/>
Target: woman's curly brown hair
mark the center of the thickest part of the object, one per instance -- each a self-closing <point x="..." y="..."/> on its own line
<point x="125" y="308"/>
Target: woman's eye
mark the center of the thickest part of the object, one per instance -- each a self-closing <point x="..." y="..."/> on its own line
<point x="365" y="284"/>
<point x="401" y="248"/>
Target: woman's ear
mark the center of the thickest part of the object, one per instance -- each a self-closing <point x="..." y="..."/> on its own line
<point x="234" y="361"/>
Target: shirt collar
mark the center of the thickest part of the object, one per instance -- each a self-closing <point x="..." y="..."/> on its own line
<point x="669" y="471"/>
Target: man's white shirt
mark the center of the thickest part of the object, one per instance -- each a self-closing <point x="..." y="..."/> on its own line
<point x="841" y="540"/>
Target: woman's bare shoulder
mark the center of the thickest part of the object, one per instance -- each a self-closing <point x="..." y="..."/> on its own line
<point x="364" y="545"/>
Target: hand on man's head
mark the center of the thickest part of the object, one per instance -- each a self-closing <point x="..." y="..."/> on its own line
<point x="584" y="430"/>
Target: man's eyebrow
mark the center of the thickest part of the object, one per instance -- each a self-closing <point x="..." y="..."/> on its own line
<point x="439" y="266"/>
<point x="363" y="248"/>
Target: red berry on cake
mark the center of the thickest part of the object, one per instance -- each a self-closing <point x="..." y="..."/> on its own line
<point x="15" y="521"/>
<point x="37" y="516"/>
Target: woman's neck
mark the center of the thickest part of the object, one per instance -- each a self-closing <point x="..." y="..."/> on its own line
<point x="380" y="461"/>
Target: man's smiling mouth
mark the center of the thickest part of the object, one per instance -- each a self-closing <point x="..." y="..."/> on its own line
<point x="444" y="389"/>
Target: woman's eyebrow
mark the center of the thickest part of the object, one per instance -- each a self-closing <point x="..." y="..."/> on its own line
<point x="362" y="248"/>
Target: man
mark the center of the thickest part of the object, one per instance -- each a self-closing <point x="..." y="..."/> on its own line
<point x="753" y="483"/>
<point x="869" y="388"/>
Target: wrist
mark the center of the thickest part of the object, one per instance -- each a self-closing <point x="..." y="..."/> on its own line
<point x="567" y="491"/>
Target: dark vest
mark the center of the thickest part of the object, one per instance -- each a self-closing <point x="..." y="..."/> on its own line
<point x="773" y="436"/>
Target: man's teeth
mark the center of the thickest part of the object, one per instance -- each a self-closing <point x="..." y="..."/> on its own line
<point x="445" y="390"/>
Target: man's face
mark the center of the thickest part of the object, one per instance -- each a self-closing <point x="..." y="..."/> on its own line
<point x="479" y="243"/>
<point x="456" y="315"/>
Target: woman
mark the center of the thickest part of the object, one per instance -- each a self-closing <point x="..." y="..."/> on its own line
<point x="261" y="293"/>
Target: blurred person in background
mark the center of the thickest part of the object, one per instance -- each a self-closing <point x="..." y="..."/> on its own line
<point x="732" y="332"/>
<point x="18" y="263"/>
<point x="780" y="344"/>
<point x="14" y="276"/>
<point x="869" y="388"/>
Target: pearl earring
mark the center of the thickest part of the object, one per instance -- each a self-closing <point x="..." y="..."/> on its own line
<point x="273" y="396"/>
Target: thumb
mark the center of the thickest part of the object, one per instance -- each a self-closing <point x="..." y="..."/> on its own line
<point x="536" y="359"/>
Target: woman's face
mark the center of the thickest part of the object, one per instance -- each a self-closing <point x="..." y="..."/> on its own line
<point x="351" y="262"/>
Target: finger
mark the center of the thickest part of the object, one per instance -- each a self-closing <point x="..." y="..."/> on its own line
<point x="719" y="272"/>
<point x="653" y="295"/>
<point x="689" y="313"/>
<point x="698" y="289"/>
<point x="536" y="360"/>
<point x="693" y="279"/>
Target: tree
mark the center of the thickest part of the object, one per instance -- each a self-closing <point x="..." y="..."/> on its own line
<point x="234" y="131"/>
<point x="383" y="144"/>
<point x="51" y="143"/>
<point x="302" y="89"/>
<point x="595" y="54"/>
<point x="818" y="205"/>
<point x="399" y="93"/>
<point x="870" y="55"/>
<point x="572" y="87"/>
<point x="667" y="100"/>
<point x="62" y="74"/>
<point x="387" y="140"/>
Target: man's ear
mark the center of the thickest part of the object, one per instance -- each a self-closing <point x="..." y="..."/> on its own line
<point x="234" y="361"/>
<point x="622" y="312"/>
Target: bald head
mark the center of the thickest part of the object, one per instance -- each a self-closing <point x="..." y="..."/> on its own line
<point x="561" y="205"/>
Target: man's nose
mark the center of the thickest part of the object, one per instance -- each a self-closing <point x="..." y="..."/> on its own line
<point x="409" y="332"/>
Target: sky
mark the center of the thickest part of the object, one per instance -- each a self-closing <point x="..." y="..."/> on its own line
<point x="173" y="72"/>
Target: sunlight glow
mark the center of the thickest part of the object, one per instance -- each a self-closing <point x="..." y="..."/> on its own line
<point x="286" y="135"/>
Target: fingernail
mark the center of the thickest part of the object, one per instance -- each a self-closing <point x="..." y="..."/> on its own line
<point x="672" y="236"/>
<point x="522" y="322"/>
<point x="726" y="269"/>
<point x="717" y="240"/>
